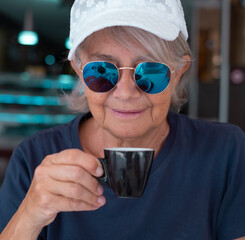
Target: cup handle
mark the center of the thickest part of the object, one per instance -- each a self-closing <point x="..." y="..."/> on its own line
<point x="104" y="178"/>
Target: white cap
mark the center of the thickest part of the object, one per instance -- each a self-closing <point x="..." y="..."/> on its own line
<point x="164" y="18"/>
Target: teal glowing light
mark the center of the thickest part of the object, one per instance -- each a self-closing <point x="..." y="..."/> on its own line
<point x="28" y="38"/>
<point x="68" y="43"/>
<point x="50" y="60"/>
<point x="35" y="118"/>
<point x="29" y="100"/>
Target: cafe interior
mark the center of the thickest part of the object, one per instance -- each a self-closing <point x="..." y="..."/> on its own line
<point x="34" y="71"/>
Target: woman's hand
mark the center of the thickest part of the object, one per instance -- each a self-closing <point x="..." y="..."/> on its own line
<point x="62" y="182"/>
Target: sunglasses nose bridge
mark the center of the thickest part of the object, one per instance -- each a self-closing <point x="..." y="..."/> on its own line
<point x="126" y="82"/>
<point x="131" y="72"/>
<point x="125" y="68"/>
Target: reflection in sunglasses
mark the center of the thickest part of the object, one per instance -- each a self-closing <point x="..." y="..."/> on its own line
<point x="150" y="77"/>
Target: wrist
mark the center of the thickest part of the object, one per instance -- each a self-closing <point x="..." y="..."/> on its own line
<point x="19" y="229"/>
<point x="25" y="229"/>
<point x="23" y="232"/>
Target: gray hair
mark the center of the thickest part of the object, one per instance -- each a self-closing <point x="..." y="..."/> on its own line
<point x="169" y="52"/>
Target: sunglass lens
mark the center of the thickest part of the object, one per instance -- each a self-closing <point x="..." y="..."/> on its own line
<point x="152" y="77"/>
<point x="100" y="76"/>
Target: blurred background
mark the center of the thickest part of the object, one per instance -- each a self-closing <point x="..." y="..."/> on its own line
<point x="34" y="70"/>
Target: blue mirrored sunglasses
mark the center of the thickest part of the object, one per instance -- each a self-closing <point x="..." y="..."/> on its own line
<point x="150" y="77"/>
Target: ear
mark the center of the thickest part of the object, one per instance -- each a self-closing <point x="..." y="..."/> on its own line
<point x="80" y="75"/>
<point x="78" y="71"/>
<point x="180" y="71"/>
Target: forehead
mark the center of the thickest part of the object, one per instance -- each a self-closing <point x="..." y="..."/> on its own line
<point x="104" y="42"/>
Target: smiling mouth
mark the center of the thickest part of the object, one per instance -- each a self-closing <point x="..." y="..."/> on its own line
<point x="127" y="113"/>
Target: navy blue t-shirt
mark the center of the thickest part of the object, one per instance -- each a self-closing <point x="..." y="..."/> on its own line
<point x="196" y="187"/>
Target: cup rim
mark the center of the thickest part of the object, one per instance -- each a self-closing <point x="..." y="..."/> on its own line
<point x="129" y="149"/>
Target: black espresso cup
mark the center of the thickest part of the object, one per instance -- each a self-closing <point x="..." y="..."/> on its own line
<point x="126" y="170"/>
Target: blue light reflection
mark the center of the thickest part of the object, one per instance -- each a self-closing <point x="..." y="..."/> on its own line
<point x="29" y="100"/>
<point x="35" y="118"/>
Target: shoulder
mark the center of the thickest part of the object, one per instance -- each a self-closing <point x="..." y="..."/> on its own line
<point x="49" y="141"/>
<point x="207" y="129"/>
<point x="212" y="139"/>
<point x="55" y="134"/>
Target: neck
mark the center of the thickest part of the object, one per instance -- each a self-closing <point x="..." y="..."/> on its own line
<point x="153" y="139"/>
<point x="102" y="138"/>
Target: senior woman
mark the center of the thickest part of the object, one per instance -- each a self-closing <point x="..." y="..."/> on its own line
<point x="133" y="60"/>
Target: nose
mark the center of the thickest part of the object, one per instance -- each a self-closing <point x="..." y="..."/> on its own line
<point x="126" y="87"/>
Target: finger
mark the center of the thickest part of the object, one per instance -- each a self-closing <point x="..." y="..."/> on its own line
<point x="77" y="157"/>
<point x="49" y="204"/>
<point x="75" y="191"/>
<point x="75" y="174"/>
<point x="63" y="204"/>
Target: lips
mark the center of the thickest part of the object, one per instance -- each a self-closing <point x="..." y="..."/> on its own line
<point x="128" y="113"/>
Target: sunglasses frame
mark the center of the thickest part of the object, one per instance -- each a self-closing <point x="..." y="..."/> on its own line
<point x="128" y="68"/>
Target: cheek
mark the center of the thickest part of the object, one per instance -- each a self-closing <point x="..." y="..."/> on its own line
<point x="163" y="100"/>
<point x="173" y="83"/>
<point x="96" y="103"/>
<point x="160" y="106"/>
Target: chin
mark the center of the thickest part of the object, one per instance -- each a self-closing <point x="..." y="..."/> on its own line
<point x="127" y="131"/>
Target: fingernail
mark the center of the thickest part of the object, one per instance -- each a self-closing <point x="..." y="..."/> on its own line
<point x="100" y="190"/>
<point x="99" y="171"/>
<point x="101" y="200"/>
